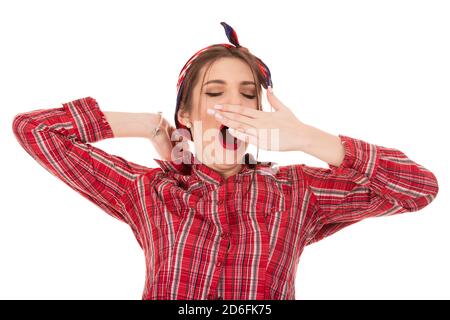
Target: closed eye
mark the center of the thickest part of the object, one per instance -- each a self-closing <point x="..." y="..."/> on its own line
<point x="216" y="94"/>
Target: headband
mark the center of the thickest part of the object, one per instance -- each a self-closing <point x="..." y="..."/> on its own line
<point x="232" y="37"/>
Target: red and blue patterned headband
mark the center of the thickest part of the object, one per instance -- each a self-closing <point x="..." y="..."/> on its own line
<point x="232" y="37"/>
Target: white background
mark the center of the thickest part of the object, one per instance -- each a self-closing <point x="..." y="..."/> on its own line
<point x="374" y="70"/>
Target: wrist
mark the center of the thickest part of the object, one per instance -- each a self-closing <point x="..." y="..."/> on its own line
<point x="130" y="124"/>
<point x="155" y="121"/>
<point x="322" y="145"/>
<point x="304" y="137"/>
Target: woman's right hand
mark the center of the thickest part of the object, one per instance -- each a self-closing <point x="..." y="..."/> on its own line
<point x="166" y="139"/>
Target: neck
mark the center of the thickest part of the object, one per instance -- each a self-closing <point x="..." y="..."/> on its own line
<point x="227" y="172"/>
<point x="224" y="170"/>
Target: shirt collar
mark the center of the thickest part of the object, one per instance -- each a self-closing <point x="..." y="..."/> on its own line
<point x="189" y="164"/>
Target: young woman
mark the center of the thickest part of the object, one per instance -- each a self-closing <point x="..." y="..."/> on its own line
<point x="217" y="224"/>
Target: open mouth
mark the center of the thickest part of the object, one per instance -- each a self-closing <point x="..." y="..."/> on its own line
<point x="227" y="140"/>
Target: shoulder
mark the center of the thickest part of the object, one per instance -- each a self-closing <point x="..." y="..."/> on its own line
<point x="291" y="172"/>
<point x="288" y="177"/>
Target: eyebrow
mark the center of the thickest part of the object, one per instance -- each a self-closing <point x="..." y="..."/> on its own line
<point x="220" y="81"/>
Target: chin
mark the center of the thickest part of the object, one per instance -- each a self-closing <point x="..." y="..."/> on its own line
<point x="217" y="154"/>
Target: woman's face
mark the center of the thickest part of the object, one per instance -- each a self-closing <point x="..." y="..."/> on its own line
<point x="228" y="81"/>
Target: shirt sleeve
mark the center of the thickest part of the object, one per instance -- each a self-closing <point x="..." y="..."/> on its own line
<point x="59" y="140"/>
<point x="371" y="181"/>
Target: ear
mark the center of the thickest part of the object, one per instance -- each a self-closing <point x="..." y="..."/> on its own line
<point x="183" y="116"/>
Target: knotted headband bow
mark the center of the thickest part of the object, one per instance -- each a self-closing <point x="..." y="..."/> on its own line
<point x="232" y="37"/>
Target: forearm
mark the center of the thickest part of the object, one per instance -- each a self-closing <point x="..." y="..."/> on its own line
<point x="131" y="124"/>
<point x="322" y="145"/>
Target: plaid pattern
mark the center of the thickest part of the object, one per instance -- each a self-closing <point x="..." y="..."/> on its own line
<point x="203" y="236"/>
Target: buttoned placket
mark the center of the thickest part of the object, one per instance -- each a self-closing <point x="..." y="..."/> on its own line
<point x="225" y="238"/>
<point x="216" y="183"/>
<point x="213" y="179"/>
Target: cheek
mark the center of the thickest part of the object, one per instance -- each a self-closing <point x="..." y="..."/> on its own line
<point x="207" y="129"/>
<point x="210" y="122"/>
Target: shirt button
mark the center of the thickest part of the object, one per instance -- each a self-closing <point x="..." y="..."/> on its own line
<point x="219" y="263"/>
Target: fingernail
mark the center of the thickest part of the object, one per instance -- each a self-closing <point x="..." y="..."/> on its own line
<point x="219" y="116"/>
<point x="270" y="89"/>
<point x="210" y="111"/>
<point x="218" y="106"/>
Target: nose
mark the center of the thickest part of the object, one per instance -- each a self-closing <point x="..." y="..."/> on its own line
<point x="232" y="97"/>
<point x="235" y="97"/>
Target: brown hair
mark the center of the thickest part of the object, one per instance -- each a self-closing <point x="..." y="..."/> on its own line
<point x="207" y="58"/>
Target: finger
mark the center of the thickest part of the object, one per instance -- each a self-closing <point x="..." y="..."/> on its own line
<point x="176" y="137"/>
<point x="163" y="145"/>
<point x="179" y="148"/>
<point x="179" y="145"/>
<point x="173" y="134"/>
<point x="232" y="123"/>
<point x="236" y="117"/>
<point x="250" y="112"/>
<point x="181" y="132"/>
<point x="244" y="136"/>
<point x="274" y="101"/>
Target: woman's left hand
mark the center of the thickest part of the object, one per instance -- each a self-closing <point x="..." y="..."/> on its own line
<point x="275" y="131"/>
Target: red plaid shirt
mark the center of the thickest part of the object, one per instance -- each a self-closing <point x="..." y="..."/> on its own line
<point x="203" y="236"/>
